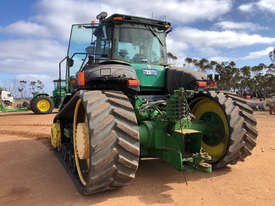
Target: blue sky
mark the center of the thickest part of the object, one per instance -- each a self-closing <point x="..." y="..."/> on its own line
<point x="34" y="33"/>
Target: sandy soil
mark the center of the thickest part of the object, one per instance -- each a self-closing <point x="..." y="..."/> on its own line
<point x="30" y="173"/>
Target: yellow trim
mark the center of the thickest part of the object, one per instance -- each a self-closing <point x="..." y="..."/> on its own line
<point x="82" y="140"/>
<point x="43" y="105"/>
<point x="187" y="131"/>
<point x="83" y="181"/>
<point x="56" y="135"/>
<point x="204" y="105"/>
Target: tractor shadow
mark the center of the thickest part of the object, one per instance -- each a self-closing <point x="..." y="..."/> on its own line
<point x="29" y="169"/>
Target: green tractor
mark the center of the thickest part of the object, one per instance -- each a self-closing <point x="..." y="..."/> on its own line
<point x="42" y="103"/>
<point x="124" y="102"/>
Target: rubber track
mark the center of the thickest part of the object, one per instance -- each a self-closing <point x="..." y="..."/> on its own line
<point x="242" y="127"/>
<point x="114" y="140"/>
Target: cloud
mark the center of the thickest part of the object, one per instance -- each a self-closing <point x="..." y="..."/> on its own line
<point x="246" y="7"/>
<point x="177" y="10"/>
<point x="59" y="15"/>
<point x="229" y="25"/>
<point x="31" y="77"/>
<point x="251" y="55"/>
<point x="26" y="28"/>
<point x="176" y="46"/>
<point x="208" y="51"/>
<point x="222" y="39"/>
<point x="30" y="56"/>
<point x="258" y="54"/>
<point x="221" y="59"/>
<point x="31" y="49"/>
<point x="266" y="5"/>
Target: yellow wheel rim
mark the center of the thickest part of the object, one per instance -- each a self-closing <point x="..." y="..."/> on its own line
<point x="207" y="105"/>
<point x="43" y="105"/>
<point x="77" y="162"/>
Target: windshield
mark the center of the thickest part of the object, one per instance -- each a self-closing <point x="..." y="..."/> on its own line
<point x="136" y="43"/>
<point x="88" y="40"/>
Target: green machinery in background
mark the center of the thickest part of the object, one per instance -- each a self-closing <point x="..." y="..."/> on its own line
<point x="123" y="102"/>
<point x="7" y="109"/>
<point x="43" y="103"/>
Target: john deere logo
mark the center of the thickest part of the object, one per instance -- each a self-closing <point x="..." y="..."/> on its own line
<point x="149" y="66"/>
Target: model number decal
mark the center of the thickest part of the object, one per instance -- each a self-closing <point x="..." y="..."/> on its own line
<point x="153" y="72"/>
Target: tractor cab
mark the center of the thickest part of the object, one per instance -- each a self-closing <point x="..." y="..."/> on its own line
<point x="118" y="48"/>
<point x="59" y="91"/>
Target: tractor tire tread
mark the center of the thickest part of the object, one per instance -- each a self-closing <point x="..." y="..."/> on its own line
<point x="114" y="140"/>
<point x="242" y="128"/>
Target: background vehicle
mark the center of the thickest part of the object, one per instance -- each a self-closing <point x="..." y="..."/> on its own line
<point x="6" y="101"/>
<point x="124" y="102"/>
<point x="42" y="103"/>
<point x="6" y="97"/>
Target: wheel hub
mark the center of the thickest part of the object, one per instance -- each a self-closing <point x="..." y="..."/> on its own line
<point x="215" y="131"/>
<point x="82" y="141"/>
<point x="43" y="105"/>
<point x="56" y="135"/>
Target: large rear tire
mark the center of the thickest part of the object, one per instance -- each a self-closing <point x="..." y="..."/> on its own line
<point x="31" y="106"/>
<point x="233" y="119"/>
<point x="42" y="104"/>
<point x="106" y="122"/>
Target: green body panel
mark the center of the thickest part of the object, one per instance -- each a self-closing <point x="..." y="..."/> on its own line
<point x="151" y="81"/>
<point x="182" y="151"/>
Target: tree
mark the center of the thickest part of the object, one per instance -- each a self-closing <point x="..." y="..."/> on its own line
<point x="171" y="56"/>
<point x="188" y="60"/>
<point x="202" y="64"/>
<point x="257" y="80"/>
<point x="36" y="86"/>
<point x="22" y="87"/>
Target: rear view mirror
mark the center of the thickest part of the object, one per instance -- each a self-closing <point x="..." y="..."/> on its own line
<point x="70" y="62"/>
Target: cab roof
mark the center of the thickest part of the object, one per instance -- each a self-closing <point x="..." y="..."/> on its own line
<point x="116" y="18"/>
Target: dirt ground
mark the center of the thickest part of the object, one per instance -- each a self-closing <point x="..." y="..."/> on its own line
<point x="30" y="173"/>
